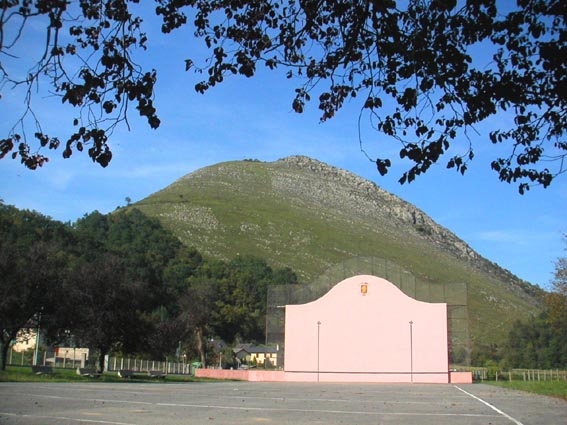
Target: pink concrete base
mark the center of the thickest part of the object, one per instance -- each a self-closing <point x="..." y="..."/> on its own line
<point x="389" y="378"/>
<point x="239" y="375"/>
<point x="242" y="375"/>
<point x="281" y="376"/>
<point x="461" y="378"/>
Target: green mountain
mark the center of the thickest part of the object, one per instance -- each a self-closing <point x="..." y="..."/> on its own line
<point x="312" y="217"/>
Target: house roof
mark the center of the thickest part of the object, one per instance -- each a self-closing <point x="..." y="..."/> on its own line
<point x="240" y="349"/>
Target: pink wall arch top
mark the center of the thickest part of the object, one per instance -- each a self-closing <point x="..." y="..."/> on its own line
<point x="365" y="329"/>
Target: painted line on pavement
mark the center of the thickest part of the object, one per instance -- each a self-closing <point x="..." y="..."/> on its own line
<point x="334" y="412"/>
<point x="64" y="418"/>
<point x="496" y="409"/>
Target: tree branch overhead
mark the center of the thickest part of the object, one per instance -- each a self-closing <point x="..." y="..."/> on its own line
<point x="413" y="67"/>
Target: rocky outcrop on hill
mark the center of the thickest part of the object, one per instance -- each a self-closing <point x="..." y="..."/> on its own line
<point x="356" y="196"/>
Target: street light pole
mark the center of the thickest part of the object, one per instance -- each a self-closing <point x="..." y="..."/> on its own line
<point x="318" y="346"/>
<point x="411" y="349"/>
<point x="37" y="340"/>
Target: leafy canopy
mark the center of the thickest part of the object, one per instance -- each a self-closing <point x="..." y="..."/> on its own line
<point x="412" y="64"/>
<point x="33" y="256"/>
<point x="122" y="282"/>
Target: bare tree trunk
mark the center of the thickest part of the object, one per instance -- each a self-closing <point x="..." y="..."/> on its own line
<point x="102" y="353"/>
<point x="5" y="340"/>
<point x="200" y="344"/>
<point x="4" y="353"/>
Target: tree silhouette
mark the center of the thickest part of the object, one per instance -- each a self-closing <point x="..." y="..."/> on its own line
<point x="109" y="307"/>
<point x="33" y="259"/>
<point x="414" y="67"/>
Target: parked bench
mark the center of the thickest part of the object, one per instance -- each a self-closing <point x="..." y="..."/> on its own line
<point x="156" y="374"/>
<point x="83" y="371"/>
<point x="125" y="373"/>
<point x="42" y="370"/>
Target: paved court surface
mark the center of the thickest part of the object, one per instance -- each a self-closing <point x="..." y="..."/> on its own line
<point x="273" y="403"/>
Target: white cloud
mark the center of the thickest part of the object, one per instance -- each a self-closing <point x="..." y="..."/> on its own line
<point x="501" y="236"/>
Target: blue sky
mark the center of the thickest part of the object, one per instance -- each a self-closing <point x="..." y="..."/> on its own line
<point x="252" y="118"/>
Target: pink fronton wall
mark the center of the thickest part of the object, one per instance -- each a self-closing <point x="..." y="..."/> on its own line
<point x="363" y="330"/>
<point x="366" y="330"/>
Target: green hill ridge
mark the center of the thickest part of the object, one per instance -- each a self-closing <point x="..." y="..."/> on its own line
<point x="309" y="216"/>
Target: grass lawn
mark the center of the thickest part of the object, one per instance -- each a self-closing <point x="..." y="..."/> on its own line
<point x="24" y="374"/>
<point x="549" y="388"/>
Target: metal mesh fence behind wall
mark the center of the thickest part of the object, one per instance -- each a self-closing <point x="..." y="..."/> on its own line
<point x="454" y="294"/>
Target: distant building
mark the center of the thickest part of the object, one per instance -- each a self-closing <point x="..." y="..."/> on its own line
<point x="253" y="354"/>
<point x="25" y="339"/>
<point x="72" y="353"/>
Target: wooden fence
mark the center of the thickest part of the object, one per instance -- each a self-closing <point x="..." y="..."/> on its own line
<point x="112" y="364"/>
<point x="489" y="374"/>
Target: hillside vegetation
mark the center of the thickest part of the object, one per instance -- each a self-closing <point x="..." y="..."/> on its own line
<point x="309" y="216"/>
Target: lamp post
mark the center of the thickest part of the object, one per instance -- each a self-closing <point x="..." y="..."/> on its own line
<point x="318" y="346"/>
<point x="37" y="340"/>
<point x="411" y="348"/>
